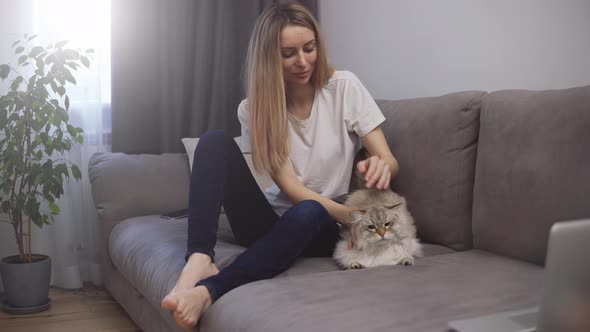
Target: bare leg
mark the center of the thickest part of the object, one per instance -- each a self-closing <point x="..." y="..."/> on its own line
<point x="198" y="266"/>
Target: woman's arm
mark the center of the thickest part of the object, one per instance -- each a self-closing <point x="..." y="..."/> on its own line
<point x="287" y="181"/>
<point x="381" y="167"/>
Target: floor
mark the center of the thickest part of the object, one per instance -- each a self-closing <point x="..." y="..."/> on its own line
<point x="90" y="309"/>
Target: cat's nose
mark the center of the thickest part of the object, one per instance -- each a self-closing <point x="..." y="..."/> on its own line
<point x="381" y="231"/>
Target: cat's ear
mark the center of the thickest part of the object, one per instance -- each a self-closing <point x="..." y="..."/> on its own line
<point x="394" y="205"/>
<point x="356" y="216"/>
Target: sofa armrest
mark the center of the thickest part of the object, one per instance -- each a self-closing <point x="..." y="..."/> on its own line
<point x="125" y="186"/>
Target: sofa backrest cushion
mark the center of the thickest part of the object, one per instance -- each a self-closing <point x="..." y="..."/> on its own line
<point x="435" y="142"/>
<point x="533" y="169"/>
<point x="125" y="185"/>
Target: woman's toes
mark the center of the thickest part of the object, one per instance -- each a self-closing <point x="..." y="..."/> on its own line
<point x="189" y="321"/>
<point x="184" y="314"/>
<point x="181" y="322"/>
<point x="191" y="305"/>
<point x="169" y="302"/>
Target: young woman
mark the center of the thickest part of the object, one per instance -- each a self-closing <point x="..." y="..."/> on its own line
<point x="305" y="122"/>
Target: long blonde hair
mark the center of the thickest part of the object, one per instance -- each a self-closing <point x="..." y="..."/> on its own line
<point x="265" y="87"/>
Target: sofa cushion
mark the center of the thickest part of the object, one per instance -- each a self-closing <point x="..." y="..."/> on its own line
<point x="149" y="252"/>
<point x="420" y="298"/>
<point x="533" y="168"/>
<point x="306" y="265"/>
<point x="125" y="185"/>
<point x="435" y="142"/>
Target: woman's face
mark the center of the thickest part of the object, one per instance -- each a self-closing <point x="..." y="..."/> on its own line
<point x="299" y="54"/>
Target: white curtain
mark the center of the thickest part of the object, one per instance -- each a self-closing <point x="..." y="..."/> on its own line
<point x="73" y="241"/>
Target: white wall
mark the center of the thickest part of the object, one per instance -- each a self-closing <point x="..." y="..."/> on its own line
<point x="405" y="49"/>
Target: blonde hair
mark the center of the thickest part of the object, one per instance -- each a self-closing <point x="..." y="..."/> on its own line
<point x="265" y="87"/>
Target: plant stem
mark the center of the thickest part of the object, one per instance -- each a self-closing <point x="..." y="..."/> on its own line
<point x="19" y="240"/>
<point x="30" y="251"/>
<point x="12" y="190"/>
<point x="24" y="184"/>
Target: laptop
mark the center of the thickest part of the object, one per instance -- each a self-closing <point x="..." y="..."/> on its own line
<point x="565" y="304"/>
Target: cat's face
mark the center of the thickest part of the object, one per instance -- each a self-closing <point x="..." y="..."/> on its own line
<point x="377" y="225"/>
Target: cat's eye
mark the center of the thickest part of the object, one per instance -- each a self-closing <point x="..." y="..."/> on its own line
<point x="387" y="224"/>
<point x="371" y="227"/>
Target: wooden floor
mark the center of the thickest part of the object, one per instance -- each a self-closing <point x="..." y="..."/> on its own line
<point x="90" y="309"/>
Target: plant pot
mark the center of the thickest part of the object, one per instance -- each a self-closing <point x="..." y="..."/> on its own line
<point x="26" y="284"/>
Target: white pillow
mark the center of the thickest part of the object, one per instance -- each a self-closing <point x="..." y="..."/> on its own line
<point x="264" y="181"/>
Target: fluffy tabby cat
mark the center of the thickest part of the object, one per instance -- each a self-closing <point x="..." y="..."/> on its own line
<point x="386" y="234"/>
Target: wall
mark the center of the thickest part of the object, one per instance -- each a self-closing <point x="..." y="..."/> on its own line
<point x="405" y="49"/>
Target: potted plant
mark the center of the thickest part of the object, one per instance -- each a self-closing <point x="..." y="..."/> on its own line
<point x="34" y="132"/>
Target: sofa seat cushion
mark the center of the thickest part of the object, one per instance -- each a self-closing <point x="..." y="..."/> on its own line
<point x="306" y="265"/>
<point x="420" y="298"/>
<point x="149" y="252"/>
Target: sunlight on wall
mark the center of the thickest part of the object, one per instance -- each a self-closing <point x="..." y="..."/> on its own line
<point x="86" y="24"/>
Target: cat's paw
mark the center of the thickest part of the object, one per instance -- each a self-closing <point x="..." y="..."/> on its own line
<point x="356" y="266"/>
<point x="408" y="261"/>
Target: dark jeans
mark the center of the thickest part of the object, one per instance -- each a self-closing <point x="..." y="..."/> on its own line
<point x="220" y="176"/>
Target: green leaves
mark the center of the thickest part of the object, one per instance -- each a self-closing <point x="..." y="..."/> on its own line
<point x="61" y="43"/>
<point x="35" y="129"/>
<point x="76" y="172"/>
<point x="61" y="90"/>
<point x="4" y="71"/>
<point x="22" y="59"/>
<point x="72" y="130"/>
<point x="71" y="54"/>
<point x="54" y="208"/>
<point x="3" y="120"/>
<point x="68" y="76"/>
<point x="36" y="51"/>
<point x="85" y="61"/>
<point x="17" y="81"/>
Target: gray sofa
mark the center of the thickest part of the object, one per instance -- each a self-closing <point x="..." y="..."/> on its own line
<point x="485" y="176"/>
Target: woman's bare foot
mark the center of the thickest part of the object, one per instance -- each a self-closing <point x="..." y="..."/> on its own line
<point x="192" y="303"/>
<point x="198" y="267"/>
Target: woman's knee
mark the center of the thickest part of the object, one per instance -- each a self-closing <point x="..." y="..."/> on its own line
<point x="214" y="142"/>
<point x="215" y="137"/>
<point x="307" y="214"/>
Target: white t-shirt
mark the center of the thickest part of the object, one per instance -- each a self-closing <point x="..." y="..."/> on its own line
<point x="323" y="146"/>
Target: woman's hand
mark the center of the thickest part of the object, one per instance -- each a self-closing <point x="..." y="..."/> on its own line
<point x="352" y="239"/>
<point x="344" y="218"/>
<point x="376" y="172"/>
